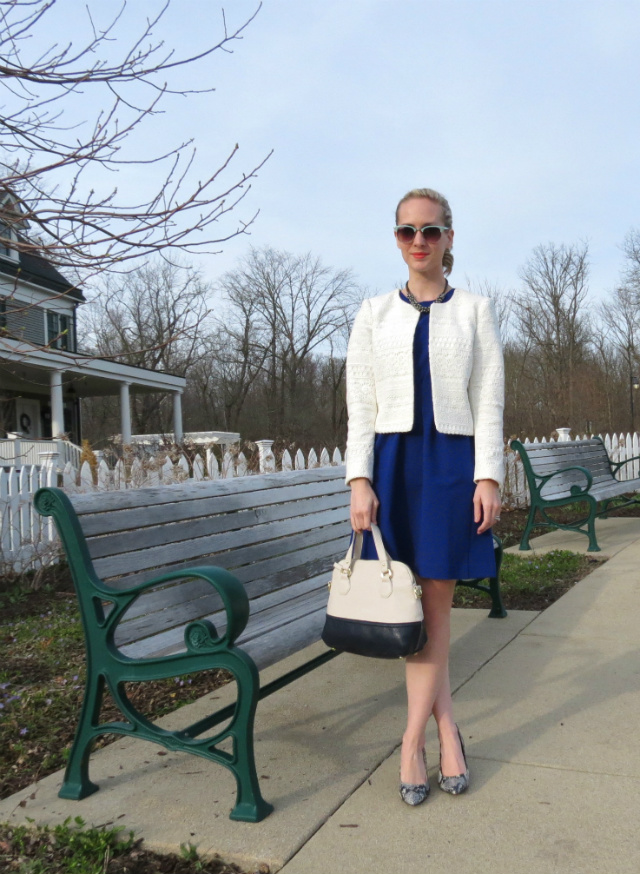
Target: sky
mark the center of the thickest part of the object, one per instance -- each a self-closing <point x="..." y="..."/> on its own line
<point x="526" y="115"/>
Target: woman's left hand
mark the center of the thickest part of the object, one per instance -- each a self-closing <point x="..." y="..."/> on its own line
<point x="486" y="504"/>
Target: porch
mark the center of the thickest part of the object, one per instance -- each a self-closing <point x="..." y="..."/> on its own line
<point x="42" y="388"/>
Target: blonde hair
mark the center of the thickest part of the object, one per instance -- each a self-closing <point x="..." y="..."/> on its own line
<point x="447" y="217"/>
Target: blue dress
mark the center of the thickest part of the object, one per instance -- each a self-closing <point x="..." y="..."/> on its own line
<point x="424" y="482"/>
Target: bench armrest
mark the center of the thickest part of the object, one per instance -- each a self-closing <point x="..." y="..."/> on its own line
<point x="616" y="465"/>
<point x="201" y="634"/>
<point x="575" y="488"/>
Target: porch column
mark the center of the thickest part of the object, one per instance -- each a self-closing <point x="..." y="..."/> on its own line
<point x="125" y="414"/>
<point x="57" y="405"/>
<point x="178" y="434"/>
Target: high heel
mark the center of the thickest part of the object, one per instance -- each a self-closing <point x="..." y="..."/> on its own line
<point x="460" y="783"/>
<point x="416" y="793"/>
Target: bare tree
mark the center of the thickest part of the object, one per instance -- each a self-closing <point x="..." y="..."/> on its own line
<point x="221" y="380"/>
<point x="631" y="269"/>
<point x="59" y="166"/>
<point x="156" y="317"/>
<point x="296" y="304"/>
<point x="503" y="300"/>
<point x="551" y="316"/>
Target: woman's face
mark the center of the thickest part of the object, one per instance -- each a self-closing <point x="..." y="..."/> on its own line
<point x="423" y="256"/>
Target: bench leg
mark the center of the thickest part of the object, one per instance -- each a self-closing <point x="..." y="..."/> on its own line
<point x="76" y="784"/>
<point x="604" y="512"/>
<point x="591" y="527"/>
<point x="524" y="542"/>
<point x="250" y="805"/>
<point x="497" y="609"/>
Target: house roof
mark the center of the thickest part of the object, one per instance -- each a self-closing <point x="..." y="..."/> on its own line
<point x="33" y="268"/>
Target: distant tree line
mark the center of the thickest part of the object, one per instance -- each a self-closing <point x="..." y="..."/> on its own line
<point x="263" y="349"/>
<point x="570" y="361"/>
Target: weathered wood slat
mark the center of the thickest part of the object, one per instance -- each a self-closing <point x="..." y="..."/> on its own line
<point x="562" y="460"/>
<point x="266" y="650"/>
<point x="117" y="500"/>
<point x="214" y="545"/>
<point x="150" y="619"/>
<point x="271" y="611"/>
<point x="324" y="542"/>
<point x="184" y="591"/>
<point x="275" y="646"/>
<point x="545" y="466"/>
<point x="284" y="614"/>
<point x="176" y="532"/>
<point x="586" y="460"/>
<point x="112" y="521"/>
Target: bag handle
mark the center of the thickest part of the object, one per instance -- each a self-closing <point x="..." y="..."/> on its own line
<point x="355" y="550"/>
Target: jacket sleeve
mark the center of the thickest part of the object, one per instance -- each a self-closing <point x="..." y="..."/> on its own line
<point x="486" y="395"/>
<point x="362" y="406"/>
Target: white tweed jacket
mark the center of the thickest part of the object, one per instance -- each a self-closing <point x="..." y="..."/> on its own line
<point x="467" y="377"/>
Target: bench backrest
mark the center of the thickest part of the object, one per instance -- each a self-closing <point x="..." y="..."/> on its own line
<point x="277" y="533"/>
<point x="546" y="458"/>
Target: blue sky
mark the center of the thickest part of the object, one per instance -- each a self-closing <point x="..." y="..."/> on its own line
<point x="525" y="114"/>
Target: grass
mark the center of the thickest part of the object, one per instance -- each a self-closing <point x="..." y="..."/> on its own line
<point x="533" y="582"/>
<point x="72" y="848"/>
<point x="42" y="675"/>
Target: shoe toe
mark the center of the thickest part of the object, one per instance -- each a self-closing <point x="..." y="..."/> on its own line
<point x="454" y="785"/>
<point x="414" y="794"/>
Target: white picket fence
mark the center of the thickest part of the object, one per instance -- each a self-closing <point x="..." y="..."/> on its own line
<point x="26" y="538"/>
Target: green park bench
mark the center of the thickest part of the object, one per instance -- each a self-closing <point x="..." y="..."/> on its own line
<point x="224" y="574"/>
<point x="563" y="473"/>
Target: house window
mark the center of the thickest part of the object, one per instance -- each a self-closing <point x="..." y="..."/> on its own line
<point x="6" y="235"/>
<point x="3" y="313"/>
<point x="58" y="330"/>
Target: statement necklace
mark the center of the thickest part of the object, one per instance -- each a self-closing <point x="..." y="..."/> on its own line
<point x="425" y="308"/>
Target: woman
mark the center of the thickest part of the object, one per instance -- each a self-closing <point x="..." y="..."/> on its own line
<point x="425" y="386"/>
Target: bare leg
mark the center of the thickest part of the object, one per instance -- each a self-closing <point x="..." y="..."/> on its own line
<point x="452" y="760"/>
<point x="428" y="688"/>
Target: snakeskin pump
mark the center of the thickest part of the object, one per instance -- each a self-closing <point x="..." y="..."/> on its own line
<point x="415" y="793"/>
<point x="460" y="783"/>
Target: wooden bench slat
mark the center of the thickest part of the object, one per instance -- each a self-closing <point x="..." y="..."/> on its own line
<point x="106" y="501"/>
<point x="544" y="466"/>
<point x="314" y="544"/>
<point x="271" y="648"/>
<point x="214" y="545"/>
<point x="288" y="605"/>
<point x="152" y="619"/>
<point x="177" y="532"/>
<point x="112" y="521"/>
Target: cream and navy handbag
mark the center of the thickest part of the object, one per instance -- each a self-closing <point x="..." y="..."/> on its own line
<point x="374" y="605"/>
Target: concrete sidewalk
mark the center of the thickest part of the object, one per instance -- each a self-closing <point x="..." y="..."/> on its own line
<point x="547" y="702"/>
<point x="553" y="740"/>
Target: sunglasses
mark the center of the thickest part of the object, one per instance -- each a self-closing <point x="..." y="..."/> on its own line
<point x="431" y="233"/>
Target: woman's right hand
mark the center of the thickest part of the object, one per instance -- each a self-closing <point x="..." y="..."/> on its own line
<point x="364" y="505"/>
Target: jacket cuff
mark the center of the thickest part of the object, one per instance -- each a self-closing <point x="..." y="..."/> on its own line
<point x="359" y="465"/>
<point x="490" y="469"/>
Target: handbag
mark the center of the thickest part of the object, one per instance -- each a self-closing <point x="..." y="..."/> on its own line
<point x="374" y="605"/>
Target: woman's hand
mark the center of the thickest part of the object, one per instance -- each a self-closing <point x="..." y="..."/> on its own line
<point x="486" y="503"/>
<point x="364" y="505"/>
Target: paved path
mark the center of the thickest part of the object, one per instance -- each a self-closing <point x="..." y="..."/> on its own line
<point x="549" y="706"/>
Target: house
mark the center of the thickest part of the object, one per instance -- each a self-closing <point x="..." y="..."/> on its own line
<point x="43" y="370"/>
